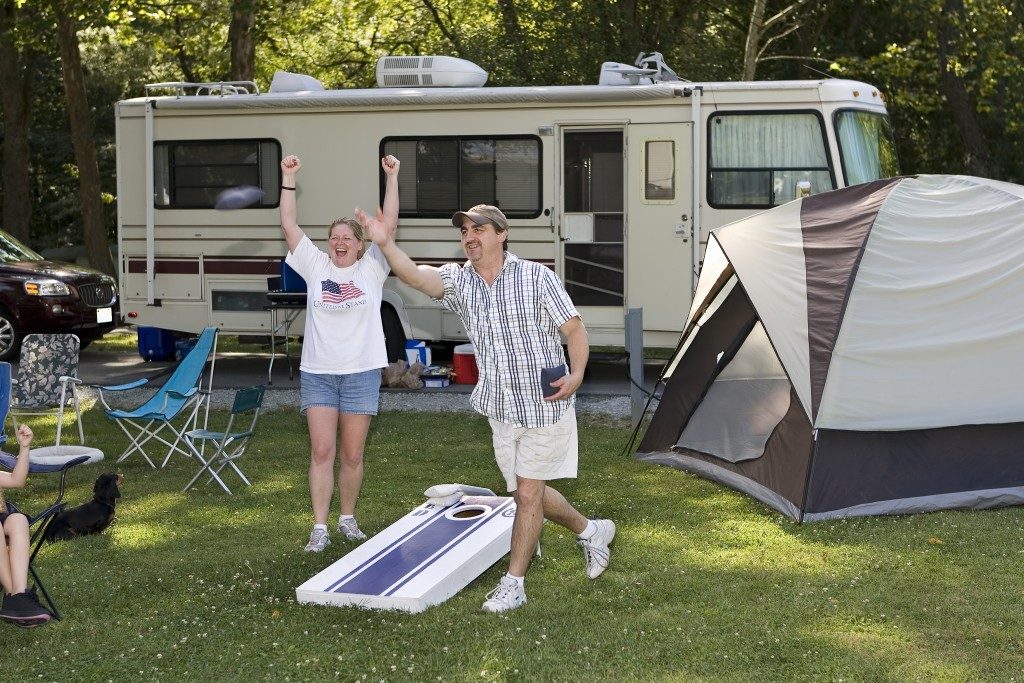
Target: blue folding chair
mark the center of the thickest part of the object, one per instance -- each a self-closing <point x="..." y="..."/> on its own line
<point x="174" y="407"/>
<point x="41" y="521"/>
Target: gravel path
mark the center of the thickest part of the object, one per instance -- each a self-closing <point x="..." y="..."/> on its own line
<point x="419" y="401"/>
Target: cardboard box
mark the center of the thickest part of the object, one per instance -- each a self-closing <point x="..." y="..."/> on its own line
<point x="417" y="351"/>
<point x="434" y="382"/>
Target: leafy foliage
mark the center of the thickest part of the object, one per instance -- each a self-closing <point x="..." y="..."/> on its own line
<point x="127" y="43"/>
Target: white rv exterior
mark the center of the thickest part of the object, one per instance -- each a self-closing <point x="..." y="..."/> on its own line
<point x="616" y="187"/>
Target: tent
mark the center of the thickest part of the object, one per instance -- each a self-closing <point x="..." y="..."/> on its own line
<point x="857" y="352"/>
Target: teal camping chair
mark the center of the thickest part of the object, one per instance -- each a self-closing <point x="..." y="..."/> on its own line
<point x="38" y="523"/>
<point x="228" y="446"/>
<point x="173" y="408"/>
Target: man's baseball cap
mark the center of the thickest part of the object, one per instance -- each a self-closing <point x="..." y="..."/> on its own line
<point x="481" y="214"/>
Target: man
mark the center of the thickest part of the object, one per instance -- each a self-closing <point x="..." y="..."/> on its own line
<point x="514" y="310"/>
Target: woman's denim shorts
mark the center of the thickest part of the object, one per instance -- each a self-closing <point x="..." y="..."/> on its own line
<point x="355" y="394"/>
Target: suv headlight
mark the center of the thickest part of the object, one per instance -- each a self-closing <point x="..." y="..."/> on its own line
<point x="46" y="288"/>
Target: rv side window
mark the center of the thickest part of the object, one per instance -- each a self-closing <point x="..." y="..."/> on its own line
<point x="756" y="160"/>
<point x="660" y="170"/>
<point x="442" y="175"/>
<point x="190" y="174"/>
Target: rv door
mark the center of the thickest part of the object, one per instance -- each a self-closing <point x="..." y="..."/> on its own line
<point x="659" y="257"/>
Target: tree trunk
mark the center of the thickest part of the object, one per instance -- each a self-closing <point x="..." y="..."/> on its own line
<point x="240" y="40"/>
<point x="94" y="228"/>
<point x="978" y="156"/>
<point x="516" y="41"/>
<point x="753" y="43"/>
<point x="15" y="102"/>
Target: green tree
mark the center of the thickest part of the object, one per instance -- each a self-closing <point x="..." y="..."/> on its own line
<point x="17" y="73"/>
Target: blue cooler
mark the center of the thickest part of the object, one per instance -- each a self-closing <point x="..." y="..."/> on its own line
<point x="156" y="343"/>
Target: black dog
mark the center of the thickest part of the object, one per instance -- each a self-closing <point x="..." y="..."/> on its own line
<point x="91" y="518"/>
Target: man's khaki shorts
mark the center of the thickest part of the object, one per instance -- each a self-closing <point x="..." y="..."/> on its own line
<point x="543" y="453"/>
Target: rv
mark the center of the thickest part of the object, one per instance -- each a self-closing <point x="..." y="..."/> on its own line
<point x="614" y="186"/>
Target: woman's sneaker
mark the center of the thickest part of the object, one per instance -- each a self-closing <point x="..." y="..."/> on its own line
<point x="23" y="609"/>
<point x="350" y="529"/>
<point x="595" y="549"/>
<point x="318" y="540"/>
<point x="507" y="596"/>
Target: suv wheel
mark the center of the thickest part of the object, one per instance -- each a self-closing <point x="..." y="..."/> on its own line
<point x="10" y="340"/>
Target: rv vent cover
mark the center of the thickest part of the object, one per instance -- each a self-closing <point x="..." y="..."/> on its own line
<point x="285" y="81"/>
<point x="430" y="71"/>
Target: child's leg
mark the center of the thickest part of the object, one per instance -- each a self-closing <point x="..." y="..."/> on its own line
<point x="5" y="565"/>
<point x="14" y="556"/>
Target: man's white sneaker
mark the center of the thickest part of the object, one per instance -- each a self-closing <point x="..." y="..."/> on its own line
<point x="595" y="548"/>
<point x="507" y="596"/>
<point x="350" y="529"/>
<point x="318" y="540"/>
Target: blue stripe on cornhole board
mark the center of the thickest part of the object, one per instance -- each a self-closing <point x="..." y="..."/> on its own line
<point x="370" y="561"/>
<point x="485" y="519"/>
<point x="408" y="559"/>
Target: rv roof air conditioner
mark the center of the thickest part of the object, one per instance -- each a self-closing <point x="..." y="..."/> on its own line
<point x="649" y="68"/>
<point x="429" y="71"/>
<point x="285" y="81"/>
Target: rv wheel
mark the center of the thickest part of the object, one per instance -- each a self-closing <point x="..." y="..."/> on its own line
<point x="394" y="333"/>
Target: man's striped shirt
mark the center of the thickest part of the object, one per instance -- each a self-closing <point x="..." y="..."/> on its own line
<point x="513" y="325"/>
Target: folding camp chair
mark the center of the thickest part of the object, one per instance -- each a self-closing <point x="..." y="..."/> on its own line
<point x="48" y="368"/>
<point x="41" y="521"/>
<point x="228" y="446"/>
<point x="174" y="407"/>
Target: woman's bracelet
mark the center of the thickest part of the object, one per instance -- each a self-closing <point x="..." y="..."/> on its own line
<point x="285" y="187"/>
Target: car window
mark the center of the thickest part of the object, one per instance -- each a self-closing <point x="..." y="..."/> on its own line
<point x="12" y="250"/>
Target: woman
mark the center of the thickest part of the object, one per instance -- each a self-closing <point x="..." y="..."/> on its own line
<point x="343" y="350"/>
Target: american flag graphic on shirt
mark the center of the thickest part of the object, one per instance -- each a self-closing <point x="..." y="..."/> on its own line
<point x="334" y="293"/>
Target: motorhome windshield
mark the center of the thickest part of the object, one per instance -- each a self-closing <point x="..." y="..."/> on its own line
<point x="866" y="146"/>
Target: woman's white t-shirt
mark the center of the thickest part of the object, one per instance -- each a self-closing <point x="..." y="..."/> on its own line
<point x="343" y="334"/>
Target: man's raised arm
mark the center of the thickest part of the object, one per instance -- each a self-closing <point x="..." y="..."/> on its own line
<point x="426" y="279"/>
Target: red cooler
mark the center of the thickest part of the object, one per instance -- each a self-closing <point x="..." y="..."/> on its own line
<point x="464" y="364"/>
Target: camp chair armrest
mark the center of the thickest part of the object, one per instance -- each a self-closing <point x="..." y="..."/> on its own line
<point x="183" y="394"/>
<point x="8" y="461"/>
<point x="122" y="387"/>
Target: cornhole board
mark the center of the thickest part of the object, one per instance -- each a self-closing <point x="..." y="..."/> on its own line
<point x="422" y="559"/>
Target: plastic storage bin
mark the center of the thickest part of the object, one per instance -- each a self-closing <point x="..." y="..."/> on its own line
<point x="464" y="364"/>
<point x="183" y="346"/>
<point x="156" y="343"/>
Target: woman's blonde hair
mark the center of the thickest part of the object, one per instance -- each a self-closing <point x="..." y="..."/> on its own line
<point x="357" y="231"/>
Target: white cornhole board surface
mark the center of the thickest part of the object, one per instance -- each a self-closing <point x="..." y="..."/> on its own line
<point x="422" y="559"/>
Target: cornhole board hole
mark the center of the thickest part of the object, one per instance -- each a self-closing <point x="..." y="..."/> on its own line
<point x="422" y="559"/>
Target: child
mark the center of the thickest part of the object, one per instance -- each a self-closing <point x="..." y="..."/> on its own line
<point x="20" y="605"/>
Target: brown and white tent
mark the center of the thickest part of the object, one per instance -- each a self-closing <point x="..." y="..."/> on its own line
<point x="858" y="352"/>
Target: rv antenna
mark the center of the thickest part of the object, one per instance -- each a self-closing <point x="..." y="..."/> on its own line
<point x="818" y="71"/>
<point x="656" y="62"/>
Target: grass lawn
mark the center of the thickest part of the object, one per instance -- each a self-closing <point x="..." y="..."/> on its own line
<point x="705" y="583"/>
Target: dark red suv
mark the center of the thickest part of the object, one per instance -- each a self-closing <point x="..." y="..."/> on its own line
<point x="43" y="296"/>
